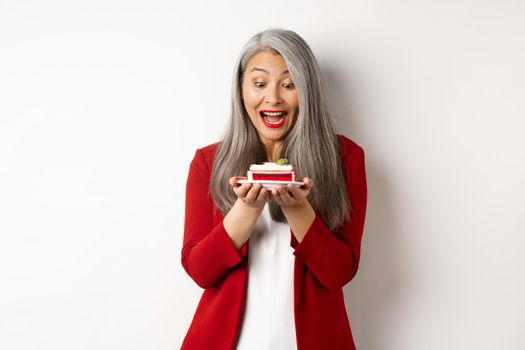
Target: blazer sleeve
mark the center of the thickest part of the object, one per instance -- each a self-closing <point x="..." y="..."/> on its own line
<point x="332" y="259"/>
<point x="207" y="253"/>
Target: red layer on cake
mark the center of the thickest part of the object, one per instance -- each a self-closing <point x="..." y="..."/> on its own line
<point x="273" y="176"/>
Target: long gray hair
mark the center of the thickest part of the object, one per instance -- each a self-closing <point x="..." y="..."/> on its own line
<point x="311" y="146"/>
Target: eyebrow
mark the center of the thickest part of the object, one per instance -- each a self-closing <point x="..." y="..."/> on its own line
<point x="265" y="71"/>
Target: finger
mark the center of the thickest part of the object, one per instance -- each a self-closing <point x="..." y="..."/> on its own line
<point x="295" y="192"/>
<point x="251" y="196"/>
<point x="275" y="196"/>
<point x="234" y="180"/>
<point x="242" y="190"/>
<point x="284" y="195"/>
<point x="308" y="183"/>
<point x="263" y="195"/>
<point x="275" y="193"/>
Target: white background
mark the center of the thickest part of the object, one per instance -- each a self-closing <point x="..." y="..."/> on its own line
<point x="103" y="103"/>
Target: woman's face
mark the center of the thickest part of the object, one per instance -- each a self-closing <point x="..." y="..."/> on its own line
<point x="270" y="97"/>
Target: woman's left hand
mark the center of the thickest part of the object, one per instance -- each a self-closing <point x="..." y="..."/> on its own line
<point x="292" y="195"/>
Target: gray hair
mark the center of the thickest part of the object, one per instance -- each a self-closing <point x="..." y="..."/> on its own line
<point x="311" y="146"/>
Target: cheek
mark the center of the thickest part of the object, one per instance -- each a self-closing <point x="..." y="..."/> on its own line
<point x="250" y="103"/>
<point x="294" y="104"/>
<point x="251" y="98"/>
<point x="293" y="100"/>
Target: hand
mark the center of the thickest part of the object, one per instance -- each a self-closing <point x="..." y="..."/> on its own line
<point x="292" y="195"/>
<point x="254" y="196"/>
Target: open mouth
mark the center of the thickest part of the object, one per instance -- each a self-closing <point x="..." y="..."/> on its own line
<point x="273" y="119"/>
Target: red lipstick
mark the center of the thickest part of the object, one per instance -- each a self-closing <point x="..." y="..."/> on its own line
<point x="273" y="118"/>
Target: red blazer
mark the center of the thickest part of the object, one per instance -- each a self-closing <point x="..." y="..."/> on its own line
<point x="323" y="264"/>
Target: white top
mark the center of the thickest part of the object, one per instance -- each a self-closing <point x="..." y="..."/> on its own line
<point x="269" y="316"/>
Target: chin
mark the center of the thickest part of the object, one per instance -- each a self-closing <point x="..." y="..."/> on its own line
<point x="274" y="136"/>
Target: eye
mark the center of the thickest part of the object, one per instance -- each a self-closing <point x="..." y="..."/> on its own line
<point x="289" y="85"/>
<point x="259" y="84"/>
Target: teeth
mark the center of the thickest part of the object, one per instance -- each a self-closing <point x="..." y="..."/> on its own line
<point x="273" y="114"/>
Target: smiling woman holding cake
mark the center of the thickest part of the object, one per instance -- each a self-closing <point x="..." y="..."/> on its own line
<point x="273" y="260"/>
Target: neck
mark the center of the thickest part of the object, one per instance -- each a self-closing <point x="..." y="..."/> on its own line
<point x="273" y="150"/>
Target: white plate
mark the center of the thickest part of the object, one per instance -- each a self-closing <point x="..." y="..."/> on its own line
<point x="269" y="184"/>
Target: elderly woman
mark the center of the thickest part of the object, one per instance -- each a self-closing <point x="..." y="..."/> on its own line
<point x="273" y="263"/>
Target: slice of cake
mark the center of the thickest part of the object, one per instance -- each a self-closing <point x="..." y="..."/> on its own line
<point x="279" y="171"/>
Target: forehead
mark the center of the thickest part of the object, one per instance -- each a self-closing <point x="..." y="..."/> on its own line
<point x="269" y="61"/>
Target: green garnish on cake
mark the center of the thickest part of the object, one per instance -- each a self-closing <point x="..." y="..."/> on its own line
<point x="282" y="161"/>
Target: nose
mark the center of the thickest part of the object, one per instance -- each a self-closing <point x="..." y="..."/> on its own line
<point x="273" y="95"/>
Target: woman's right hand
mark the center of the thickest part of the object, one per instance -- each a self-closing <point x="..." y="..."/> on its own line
<point x="250" y="195"/>
<point x="242" y="217"/>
